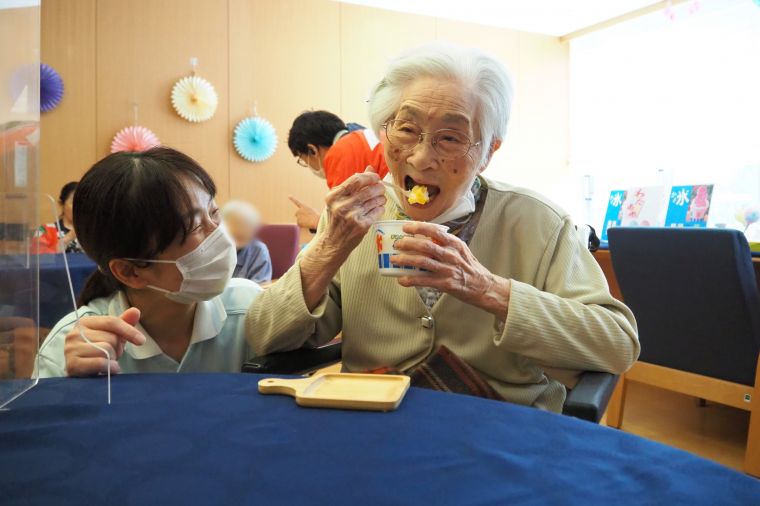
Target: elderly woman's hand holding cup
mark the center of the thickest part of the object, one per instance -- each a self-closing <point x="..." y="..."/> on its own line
<point x="430" y="256"/>
<point x="352" y="208"/>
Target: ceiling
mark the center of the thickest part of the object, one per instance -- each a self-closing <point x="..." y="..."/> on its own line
<point x="548" y="17"/>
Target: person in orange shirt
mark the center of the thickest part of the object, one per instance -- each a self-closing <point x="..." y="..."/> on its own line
<point x="333" y="151"/>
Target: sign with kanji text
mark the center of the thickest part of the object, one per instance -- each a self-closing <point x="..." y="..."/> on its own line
<point x="689" y="206"/>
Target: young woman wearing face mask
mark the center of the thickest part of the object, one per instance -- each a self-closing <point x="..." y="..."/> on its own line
<point x="162" y="299"/>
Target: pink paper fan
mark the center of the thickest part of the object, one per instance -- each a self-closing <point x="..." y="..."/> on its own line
<point x="134" y="138"/>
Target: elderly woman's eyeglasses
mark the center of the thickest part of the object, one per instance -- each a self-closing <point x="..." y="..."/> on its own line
<point x="446" y="142"/>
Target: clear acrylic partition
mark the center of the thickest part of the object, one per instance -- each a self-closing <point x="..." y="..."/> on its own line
<point x="19" y="200"/>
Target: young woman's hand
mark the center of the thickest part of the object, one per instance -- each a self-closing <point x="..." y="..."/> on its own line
<point x="107" y="332"/>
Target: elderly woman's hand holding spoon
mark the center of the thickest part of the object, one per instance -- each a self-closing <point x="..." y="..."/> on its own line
<point x="352" y="208"/>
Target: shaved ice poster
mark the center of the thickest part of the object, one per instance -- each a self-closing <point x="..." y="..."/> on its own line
<point x="653" y="206"/>
<point x="612" y="218"/>
<point x="689" y="206"/>
<point x="635" y="207"/>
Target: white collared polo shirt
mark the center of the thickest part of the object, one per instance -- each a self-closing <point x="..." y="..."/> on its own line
<point x="217" y="343"/>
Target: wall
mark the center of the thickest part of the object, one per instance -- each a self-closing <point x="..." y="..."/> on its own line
<point x="19" y="117"/>
<point x="282" y="56"/>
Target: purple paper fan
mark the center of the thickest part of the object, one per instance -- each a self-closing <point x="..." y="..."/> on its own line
<point x="51" y="88"/>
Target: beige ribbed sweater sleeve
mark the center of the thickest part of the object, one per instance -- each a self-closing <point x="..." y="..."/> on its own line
<point x="280" y="321"/>
<point x="572" y="322"/>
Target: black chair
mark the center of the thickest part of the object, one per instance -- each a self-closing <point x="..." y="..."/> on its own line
<point x="588" y="400"/>
<point x="695" y="297"/>
<point x="301" y="361"/>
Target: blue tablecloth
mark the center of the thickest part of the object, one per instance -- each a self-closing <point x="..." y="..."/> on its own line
<point x="212" y="439"/>
<point x="17" y="283"/>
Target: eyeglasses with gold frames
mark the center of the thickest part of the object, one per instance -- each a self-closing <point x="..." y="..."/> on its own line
<point x="447" y="142"/>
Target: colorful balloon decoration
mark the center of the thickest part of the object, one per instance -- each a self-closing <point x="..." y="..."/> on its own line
<point x="51" y="88"/>
<point x="194" y="99"/>
<point x="255" y="139"/>
<point x="747" y="215"/>
<point x="134" y="139"/>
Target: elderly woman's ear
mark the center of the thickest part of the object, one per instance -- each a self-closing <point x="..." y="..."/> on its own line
<point x="495" y="145"/>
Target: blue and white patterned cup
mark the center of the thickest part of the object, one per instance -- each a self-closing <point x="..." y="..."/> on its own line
<point x="387" y="232"/>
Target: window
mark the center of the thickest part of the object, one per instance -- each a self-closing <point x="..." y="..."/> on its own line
<point x="658" y="101"/>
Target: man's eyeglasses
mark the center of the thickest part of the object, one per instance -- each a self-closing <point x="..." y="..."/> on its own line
<point x="446" y="142"/>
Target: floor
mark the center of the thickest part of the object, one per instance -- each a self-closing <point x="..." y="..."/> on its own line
<point x="714" y="431"/>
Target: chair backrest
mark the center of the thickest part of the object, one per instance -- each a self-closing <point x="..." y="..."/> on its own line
<point x="283" y="242"/>
<point x="695" y="298"/>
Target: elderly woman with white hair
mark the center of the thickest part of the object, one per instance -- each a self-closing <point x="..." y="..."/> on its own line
<point x="511" y="293"/>
<point x="243" y="221"/>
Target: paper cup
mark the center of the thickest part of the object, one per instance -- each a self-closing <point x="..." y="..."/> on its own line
<point x="387" y="232"/>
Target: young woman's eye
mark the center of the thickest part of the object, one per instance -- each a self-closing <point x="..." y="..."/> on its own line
<point x="215" y="215"/>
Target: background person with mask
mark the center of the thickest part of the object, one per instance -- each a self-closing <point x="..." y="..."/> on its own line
<point x="68" y="239"/>
<point x="333" y="151"/>
<point x="162" y="299"/>
<point x="61" y="236"/>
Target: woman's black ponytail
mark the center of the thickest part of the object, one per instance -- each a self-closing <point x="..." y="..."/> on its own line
<point x="97" y="285"/>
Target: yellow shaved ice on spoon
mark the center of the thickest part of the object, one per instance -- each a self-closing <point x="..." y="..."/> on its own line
<point x="418" y="195"/>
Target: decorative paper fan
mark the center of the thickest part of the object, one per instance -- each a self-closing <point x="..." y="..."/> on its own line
<point x="255" y="139"/>
<point x="134" y="138"/>
<point x="51" y="88"/>
<point x="194" y="98"/>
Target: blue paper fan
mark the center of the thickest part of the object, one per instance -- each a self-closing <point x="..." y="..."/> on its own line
<point x="51" y="88"/>
<point x="255" y="139"/>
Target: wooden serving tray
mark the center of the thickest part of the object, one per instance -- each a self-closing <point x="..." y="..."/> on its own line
<point x="374" y="392"/>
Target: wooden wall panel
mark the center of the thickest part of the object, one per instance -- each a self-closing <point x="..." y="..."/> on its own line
<point x="67" y="143"/>
<point x="19" y="52"/>
<point x="369" y="38"/>
<point x="537" y="136"/>
<point x="19" y="32"/>
<point x="284" y="59"/>
<point x="285" y="56"/>
<point x="143" y="48"/>
<point x="540" y="138"/>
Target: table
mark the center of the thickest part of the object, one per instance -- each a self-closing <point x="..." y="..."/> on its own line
<point x="212" y="439"/>
<point x="54" y="296"/>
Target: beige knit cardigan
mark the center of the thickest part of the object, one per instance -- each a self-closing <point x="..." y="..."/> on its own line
<point x="561" y="318"/>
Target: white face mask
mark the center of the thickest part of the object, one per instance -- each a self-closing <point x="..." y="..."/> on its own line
<point x="463" y="206"/>
<point x="205" y="270"/>
<point x="319" y="173"/>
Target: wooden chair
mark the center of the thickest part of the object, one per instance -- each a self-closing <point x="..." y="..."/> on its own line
<point x="695" y="298"/>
